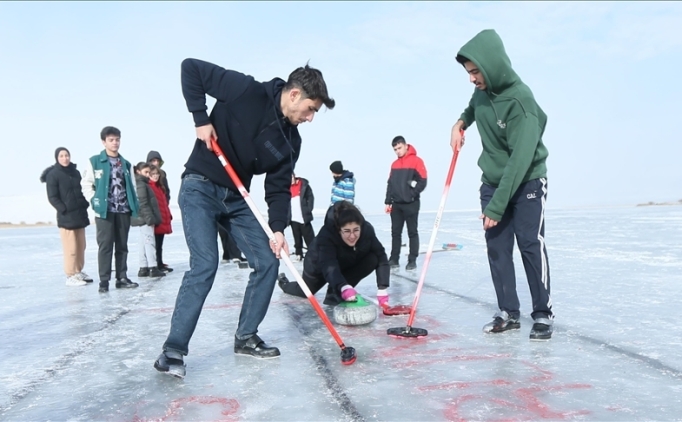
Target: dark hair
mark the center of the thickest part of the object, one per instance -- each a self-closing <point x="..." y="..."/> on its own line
<point x="345" y="213"/>
<point x="152" y="168"/>
<point x="310" y="81"/>
<point x="141" y="166"/>
<point x="109" y="130"/>
<point x="57" y="151"/>
<point x="461" y="59"/>
<point x="398" y="140"/>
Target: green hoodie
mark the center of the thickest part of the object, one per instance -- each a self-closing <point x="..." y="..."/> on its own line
<point x="509" y="121"/>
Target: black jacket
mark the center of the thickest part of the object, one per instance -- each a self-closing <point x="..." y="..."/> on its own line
<point x="65" y="194"/>
<point x="307" y="199"/>
<point x="149" y="213"/>
<point x="328" y="254"/>
<point x="252" y="132"/>
<point x="163" y="178"/>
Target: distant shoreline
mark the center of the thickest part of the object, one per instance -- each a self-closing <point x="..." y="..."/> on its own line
<point x="5" y="225"/>
<point x="652" y="203"/>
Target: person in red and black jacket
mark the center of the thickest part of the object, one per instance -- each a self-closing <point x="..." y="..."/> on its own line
<point x="405" y="182"/>
<point x="301" y="214"/>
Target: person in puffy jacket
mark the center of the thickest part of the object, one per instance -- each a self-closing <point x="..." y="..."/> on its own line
<point x="63" y="183"/>
<point x="345" y="251"/>
<point x="149" y="215"/>
<point x="160" y="230"/>
<point x="406" y="182"/>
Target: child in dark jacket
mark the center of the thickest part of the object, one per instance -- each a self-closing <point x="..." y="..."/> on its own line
<point x="149" y="215"/>
<point x="345" y="251"/>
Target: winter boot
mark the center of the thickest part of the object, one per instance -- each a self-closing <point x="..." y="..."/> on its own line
<point x="255" y="347"/>
<point x="125" y="283"/>
<point x="144" y="272"/>
<point x="155" y="272"/>
<point x="171" y="363"/>
<point x="393" y="263"/>
<point x="103" y="286"/>
<point x="165" y="268"/>
<point x="282" y="280"/>
<point x="542" y="329"/>
<point x="501" y="322"/>
<point x="411" y="265"/>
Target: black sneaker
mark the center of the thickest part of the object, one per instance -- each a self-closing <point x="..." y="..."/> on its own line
<point x="125" y="283"/>
<point x="156" y="273"/>
<point x="502" y="322"/>
<point x="103" y="288"/>
<point x="393" y="263"/>
<point x="412" y="265"/>
<point x="165" y="268"/>
<point x="144" y="272"/>
<point x="171" y="363"/>
<point x="282" y="280"/>
<point x="255" y="347"/>
<point x="542" y="329"/>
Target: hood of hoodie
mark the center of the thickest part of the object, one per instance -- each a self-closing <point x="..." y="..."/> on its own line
<point x="43" y="176"/>
<point x="487" y="52"/>
<point x="155" y="155"/>
<point x="410" y="151"/>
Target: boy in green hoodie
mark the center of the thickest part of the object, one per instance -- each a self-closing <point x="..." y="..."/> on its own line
<point x="514" y="188"/>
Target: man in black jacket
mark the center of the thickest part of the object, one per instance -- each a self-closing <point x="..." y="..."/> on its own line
<point x="255" y="124"/>
<point x="301" y="214"/>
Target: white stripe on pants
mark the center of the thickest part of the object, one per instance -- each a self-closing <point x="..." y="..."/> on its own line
<point x="147" y="250"/>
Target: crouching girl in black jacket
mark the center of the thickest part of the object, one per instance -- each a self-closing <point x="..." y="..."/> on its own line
<point x="345" y="251"/>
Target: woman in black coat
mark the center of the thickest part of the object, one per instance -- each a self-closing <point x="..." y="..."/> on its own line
<point x="63" y="182"/>
<point x="345" y="251"/>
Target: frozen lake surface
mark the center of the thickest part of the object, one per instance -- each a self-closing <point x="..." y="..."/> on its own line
<point x="74" y="354"/>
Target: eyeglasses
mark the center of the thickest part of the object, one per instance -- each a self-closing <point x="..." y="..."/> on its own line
<point x="348" y="232"/>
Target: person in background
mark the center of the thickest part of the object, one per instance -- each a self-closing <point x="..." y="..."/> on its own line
<point x="343" y="188"/>
<point x="149" y="216"/>
<point x="64" y="193"/>
<point x="406" y="181"/>
<point x="110" y="187"/>
<point x="301" y="214"/>
<point x="165" y="227"/>
<point x="154" y="158"/>
<point x="345" y="251"/>
<point x="231" y="251"/>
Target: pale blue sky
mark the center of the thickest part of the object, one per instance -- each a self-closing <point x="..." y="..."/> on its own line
<point x="601" y="71"/>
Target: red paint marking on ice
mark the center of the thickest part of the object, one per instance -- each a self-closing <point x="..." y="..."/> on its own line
<point x="464" y="384"/>
<point x="526" y="404"/>
<point x="448" y="359"/>
<point x="229" y="408"/>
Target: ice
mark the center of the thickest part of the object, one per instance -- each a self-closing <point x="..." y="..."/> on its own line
<point x="71" y="353"/>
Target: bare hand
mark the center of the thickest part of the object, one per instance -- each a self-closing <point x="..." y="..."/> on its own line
<point x="456" y="138"/>
<point x="279" y="244"/>
<point x="388" y="209"/>
<point x="488" y="223"/>
<point x="206" y="133"/>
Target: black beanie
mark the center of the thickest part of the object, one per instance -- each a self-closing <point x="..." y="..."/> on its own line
<point x="57" y="151"/>
<point x="336" y="167"/>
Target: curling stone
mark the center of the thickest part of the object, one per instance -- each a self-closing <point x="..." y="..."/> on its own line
<point x="359" y="312"/>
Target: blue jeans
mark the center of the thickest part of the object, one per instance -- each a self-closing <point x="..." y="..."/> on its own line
<point x="204" y="205"/>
